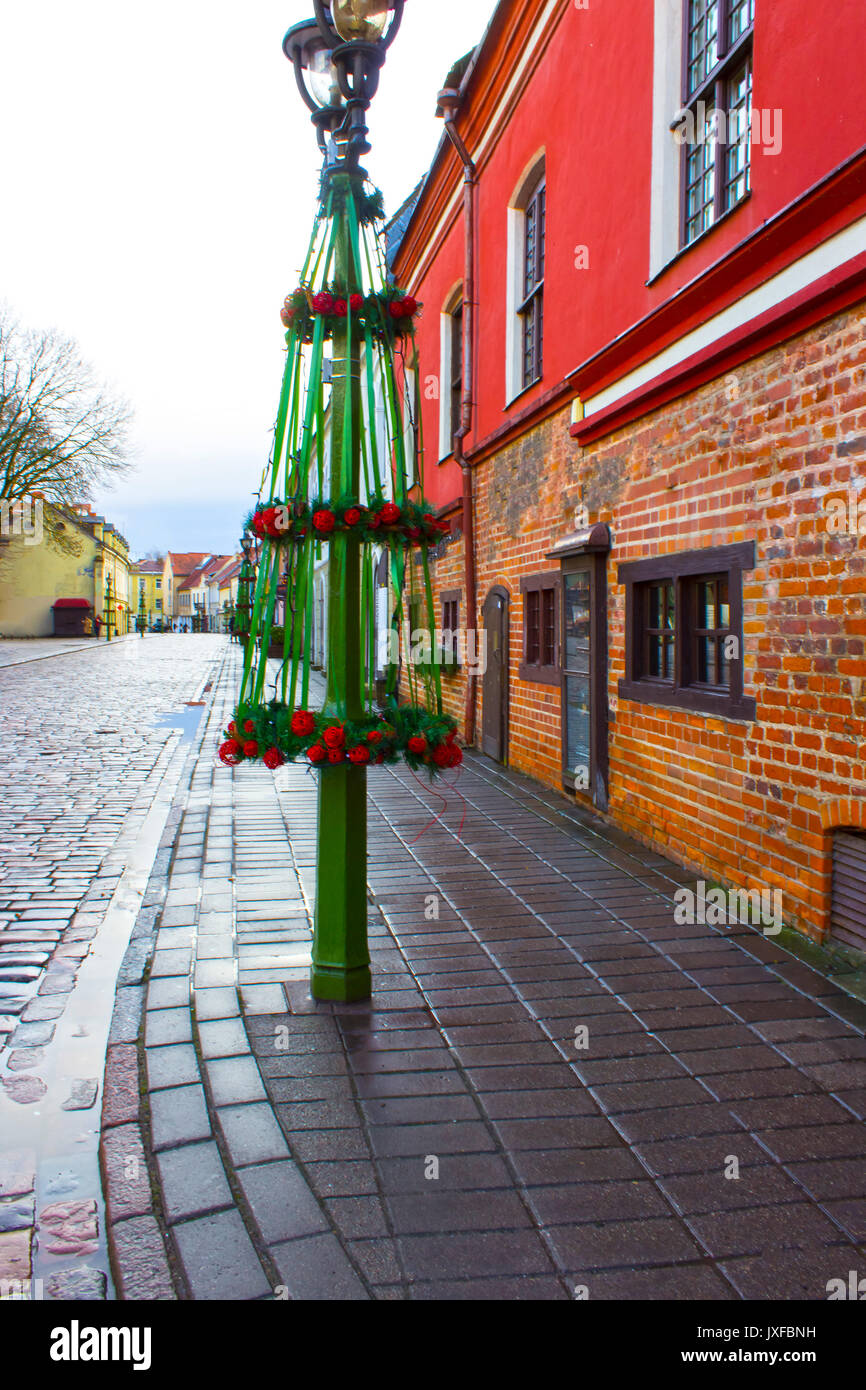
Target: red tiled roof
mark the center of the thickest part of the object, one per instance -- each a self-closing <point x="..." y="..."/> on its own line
<point x="184" y="562"/>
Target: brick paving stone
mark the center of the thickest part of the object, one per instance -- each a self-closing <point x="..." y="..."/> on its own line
<point x="192" y="1181"/>
<point x="318" y="1268"/>
<point x="175" y="1065"/>
<point x="218" y="1258"/>
<point x="252" y="1133"/>
<point x="178" y="1116"/>
<point x="281" y="1201"/>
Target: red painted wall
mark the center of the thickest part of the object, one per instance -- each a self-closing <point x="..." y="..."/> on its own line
<point x="588" y="103"/>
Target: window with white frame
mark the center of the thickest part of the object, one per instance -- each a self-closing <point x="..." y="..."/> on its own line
<point x="717" y="103"/>
<point x="450" y="372"/>
<point x="527" y="236"/>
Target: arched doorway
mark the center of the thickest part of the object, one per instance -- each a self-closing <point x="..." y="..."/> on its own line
<point x="494" y="716"/>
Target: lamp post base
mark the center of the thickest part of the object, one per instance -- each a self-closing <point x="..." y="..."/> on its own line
<point x="341" y="956"/>
<point x="337" y="985"/>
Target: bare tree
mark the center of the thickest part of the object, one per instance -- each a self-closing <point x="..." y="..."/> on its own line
<point x="61" y="433"/>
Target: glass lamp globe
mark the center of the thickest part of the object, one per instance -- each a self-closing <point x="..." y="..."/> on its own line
<point x="360" y="19"/>
<point x="322" y="77"/>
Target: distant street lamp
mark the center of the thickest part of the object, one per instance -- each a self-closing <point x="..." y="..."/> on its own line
<point x="109" y="607"/>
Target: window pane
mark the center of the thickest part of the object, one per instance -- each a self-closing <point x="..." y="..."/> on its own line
<point x="703" y="40"/>
<point x="533" y="630"/>
<point x="738" y="152"/>
<point x="700" y="185"/>
<point x="577" y="596"/>
<point x="531" y="247"/>
<point x="740" y="18"/>
<point x="548" y="644"/>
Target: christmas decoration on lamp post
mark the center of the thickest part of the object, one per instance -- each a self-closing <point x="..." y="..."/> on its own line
<point x="342" y="482"/>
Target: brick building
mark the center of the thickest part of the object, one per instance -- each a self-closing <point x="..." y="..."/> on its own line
<point x="642" y="375"/>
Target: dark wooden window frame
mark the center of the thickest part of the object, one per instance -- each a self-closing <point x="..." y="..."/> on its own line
<point x="682" y="569"/>
<point x="531" y="306"/>
<point x="541" y="672"/>
<point x="452" y="598"/>
<point x="713" y="91"/>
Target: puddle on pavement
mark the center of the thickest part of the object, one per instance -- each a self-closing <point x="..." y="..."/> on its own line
<point x="186" y="719"/>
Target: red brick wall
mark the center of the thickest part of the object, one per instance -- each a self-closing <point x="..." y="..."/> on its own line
<point x="751" y="455"/>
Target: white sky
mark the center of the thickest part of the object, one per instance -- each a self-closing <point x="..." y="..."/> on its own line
<point x="159" y="189"/>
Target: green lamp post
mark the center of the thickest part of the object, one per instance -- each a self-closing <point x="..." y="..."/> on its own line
<point x="109" y="606"/>
<point x="337" y="60"/>
<point x="342" y="475"/>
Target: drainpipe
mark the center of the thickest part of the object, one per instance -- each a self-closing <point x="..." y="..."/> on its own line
<point x="448" y="104"/>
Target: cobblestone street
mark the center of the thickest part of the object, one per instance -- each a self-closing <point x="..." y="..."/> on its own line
<point x="87" y="782"/>
<point x="556" y="1092"/>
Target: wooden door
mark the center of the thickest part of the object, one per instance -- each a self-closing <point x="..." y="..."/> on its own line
<point x="494" y="720"/>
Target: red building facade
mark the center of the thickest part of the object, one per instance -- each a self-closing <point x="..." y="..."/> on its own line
<point x="661" y="364"/>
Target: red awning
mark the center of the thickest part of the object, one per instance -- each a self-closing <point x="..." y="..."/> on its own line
<point x="71" y="603"/>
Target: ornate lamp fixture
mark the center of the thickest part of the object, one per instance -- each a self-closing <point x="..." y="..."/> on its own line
<point x="337" y="60"/>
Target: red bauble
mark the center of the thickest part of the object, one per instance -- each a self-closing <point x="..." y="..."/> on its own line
<point x="269" y="518"/>
<point x="324" y="520"/>
<point x="233" y="730"/>
<point x="395" y="309"/>
<point x="408" y="306"/>
<point x="352" y="516"/>
<point x="357" y="303"/>
<point x="413" y="533"/>
<point x="336" y="755"/>
<point x="374" y="736"/>
<point x="381" y="758"/>
<point x="456" y="756"/>
<point x="303" y="723"/>
<point x="251" y="749"/>
<point x="374" y="521"/>
<point x="442" y="756"/>
<point x="334" y="736"/>
<point x="390" y="513"/>
<point x="316" y="754"/>
<point x="359" y="754"/>
<point x="417" y="744"/>
<point x="230" y="753"/>
<point x="249" y="727"/>
<point x="341" y="308"/>
<point x="323" y="303"/>
<point x="273" y="759"/>
<point x="258" y="523"/>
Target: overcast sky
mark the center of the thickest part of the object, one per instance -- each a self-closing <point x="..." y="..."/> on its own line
<point x="159" y="189"/>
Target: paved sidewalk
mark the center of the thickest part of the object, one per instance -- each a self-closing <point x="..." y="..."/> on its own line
<point x="21" y="651"/>
<point x="556" y="1092"/>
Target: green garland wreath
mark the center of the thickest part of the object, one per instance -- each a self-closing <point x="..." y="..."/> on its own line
<point x="275" y="734"/>
<point x="378" y="520"/>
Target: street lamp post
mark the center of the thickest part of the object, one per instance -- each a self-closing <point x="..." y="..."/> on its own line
<point x="337" y="59"/>
<point x="109" y="606"/>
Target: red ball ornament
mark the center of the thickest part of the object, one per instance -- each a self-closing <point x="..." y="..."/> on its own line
<point x="417" y="744"/>
<point x="408" y="305"/>
<point x="251" y="749"/>
<point x="374" y="736"/>
<point x="413" y="533"/>
<point x="323" y="303"/>
<point x="381" y="758"/>
<point x="258" y="523"/>
<point x="336" y="755"/>
<point x="324" y="520"/>
<point x="341" y="308"/>
<point x="352" y="517"/>
<point x="303" y="723"/>
<point x="233" y="730"/>
<point x="249" y="727"/>
<point x="442" y="756"/>
<point x="273" y="759"/>
<point x="357" y="303"/>
<point x="390" y="513"/>
<point x="230" y="753"/>
<point x="456" y="756"/>
<point x="359" y="754"/>
<point x="316" y="754"/>
<point x="334" y="736"/>
<point x="374" y="521"/>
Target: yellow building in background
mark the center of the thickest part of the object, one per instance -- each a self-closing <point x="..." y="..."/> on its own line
<point x="147" y="592"/>
<point x="79" y="557"/>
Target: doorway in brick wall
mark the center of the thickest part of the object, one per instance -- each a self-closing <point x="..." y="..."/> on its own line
<point x="494" y="714"/>
<point x="583" y="662"/>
